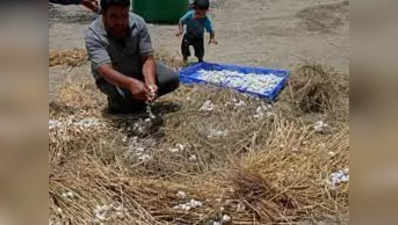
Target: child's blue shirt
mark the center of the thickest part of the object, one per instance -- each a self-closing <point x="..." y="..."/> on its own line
<point x="196" y="27"/>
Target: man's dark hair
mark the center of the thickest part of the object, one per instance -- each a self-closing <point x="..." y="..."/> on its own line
<point x="201" y="4"/>
<point x="105" y="4"/>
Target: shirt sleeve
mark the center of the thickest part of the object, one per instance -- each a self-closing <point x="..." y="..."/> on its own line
<point x="144" y="42"/>
<point x="186" y="17"/>
<point x="208" y="25"/>
<point x="96" y="51"/>
<point x="66" y="2"/>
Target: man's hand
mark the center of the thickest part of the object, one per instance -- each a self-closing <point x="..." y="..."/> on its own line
<point x="213" y="41"/>
<point x="179" y="33"/>
<point x="91" y="4"/>
<point x="153" y="92"/>
<point x="139" y="91"/>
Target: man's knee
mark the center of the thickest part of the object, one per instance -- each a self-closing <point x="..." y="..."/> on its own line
<point x="167" y="79"/>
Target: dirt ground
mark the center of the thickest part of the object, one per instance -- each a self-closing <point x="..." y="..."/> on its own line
<point x="267" y="33"/>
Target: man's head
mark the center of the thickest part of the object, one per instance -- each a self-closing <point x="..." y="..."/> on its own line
<point x="116" y="17"/>
<point x="201" y="7"/>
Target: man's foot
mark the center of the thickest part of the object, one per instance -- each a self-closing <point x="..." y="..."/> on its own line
<point x="200" y="60"/>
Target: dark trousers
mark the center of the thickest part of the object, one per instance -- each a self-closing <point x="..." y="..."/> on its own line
<point x="197" y="43"/>
<point x="121" y="101"/>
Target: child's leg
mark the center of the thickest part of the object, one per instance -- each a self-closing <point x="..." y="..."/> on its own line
<point x="199" y="49"/>
<point x="185" y="48"/>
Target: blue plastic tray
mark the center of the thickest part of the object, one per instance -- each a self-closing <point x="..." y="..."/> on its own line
<point x="190" y="75"/>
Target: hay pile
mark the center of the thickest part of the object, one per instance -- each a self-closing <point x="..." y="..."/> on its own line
<point x="319" y="89"/>
<point x="238" y="159"/>
<point x="77" y="57"/>
<point x="70" y="57"/>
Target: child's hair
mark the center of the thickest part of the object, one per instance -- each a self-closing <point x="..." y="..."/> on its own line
<point x="201" y="4"/>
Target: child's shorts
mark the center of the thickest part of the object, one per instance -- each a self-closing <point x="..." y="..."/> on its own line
<point x="197" y="44"/>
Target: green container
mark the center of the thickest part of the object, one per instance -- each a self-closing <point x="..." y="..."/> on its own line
<point x="160" y="11"/>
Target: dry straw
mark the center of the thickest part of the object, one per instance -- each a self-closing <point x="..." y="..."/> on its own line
<point x="266" y="169"/>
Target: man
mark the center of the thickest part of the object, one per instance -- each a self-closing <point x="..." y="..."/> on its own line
<point x="91" y="4"/>
<point x="120" y="50"/>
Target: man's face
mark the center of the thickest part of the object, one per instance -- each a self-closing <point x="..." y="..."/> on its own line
<point x="200" y="13"/>
<point x="116" y="21"/>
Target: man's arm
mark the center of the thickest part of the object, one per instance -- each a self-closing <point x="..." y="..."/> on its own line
<point x="147" y="60"/>
<point x="149" y="72"/>
<point x="101" y="62"/>
<point x="136" y="87"/>
<point x="116" y="78"/>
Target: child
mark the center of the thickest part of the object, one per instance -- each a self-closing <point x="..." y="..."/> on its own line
<point x="196" y="21"/>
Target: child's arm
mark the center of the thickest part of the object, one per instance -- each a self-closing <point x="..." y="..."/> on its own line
<point x="180" y="29"/>
<point x="213" y="38"/>
<point x="183" y="21"/>
<point x="209" y="28"/>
